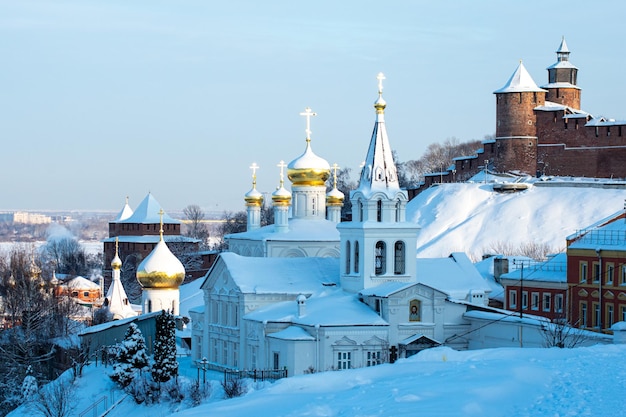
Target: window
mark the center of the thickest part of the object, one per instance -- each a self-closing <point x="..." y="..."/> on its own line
<point x="344" y="360"/>
<point x="610" y="315"/>
<point x="399" y="258"/>
<point x="596" y="272"/>
<point x="379" y="211"/>
<point x="373" y="358"/>
<point x="547" y="301"/>
<point x="623" y="313"/>
<point x="583" y="315"/>
<point x="85" y="293"/>
<point x="379" y="258"/>
<point x="224" y="352"/>
<point x="622" y="280"/>
<point x="583" y="271"/>
<point x="356" y="257"/>
<point x="558" y="303"/>
<point x="610" y="272"/>
<point x="524" y="300"/>
<point x="597" y="321"/>
<point x="534" y="301"/>
<point x="348" y="253"/>
<point x="253" y="357"/>
<point x="276" y="361"/>
<point x="512" y="299"/>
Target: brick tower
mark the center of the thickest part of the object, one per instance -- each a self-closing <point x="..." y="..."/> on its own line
<point x="562" y="76"/>
<point x="516" y="130"/>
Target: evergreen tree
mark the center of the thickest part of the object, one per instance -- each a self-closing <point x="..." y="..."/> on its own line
<point x="165" y="364"/>
<point x="131" y="357"/>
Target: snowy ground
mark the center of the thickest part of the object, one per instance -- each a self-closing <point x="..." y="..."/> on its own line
<point x="437" y="382"/>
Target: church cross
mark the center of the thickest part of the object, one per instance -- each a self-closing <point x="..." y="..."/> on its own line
<point x="380" y="77"/>
<point x="254" y="167"/>
<point x="308" y="113"/>
<point x="282" y="166"/>
<point x="335" y="168"/>
<point x="161" y="213"/>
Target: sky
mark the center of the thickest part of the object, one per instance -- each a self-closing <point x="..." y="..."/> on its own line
<point x="107" y="99"/>
<point x="504" y="382"/>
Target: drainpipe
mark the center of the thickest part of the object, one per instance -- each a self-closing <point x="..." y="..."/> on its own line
<point x="599" y="288"/>
<point x="317" y="348"/>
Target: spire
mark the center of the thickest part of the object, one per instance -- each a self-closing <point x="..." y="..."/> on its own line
<point x="563" y="52"/>
<point x="379" y="172"/>
<point x="161" y="213"/>
<point x="116" y="263"/>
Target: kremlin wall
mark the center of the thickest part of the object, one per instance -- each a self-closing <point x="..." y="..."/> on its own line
<point x="543" y="131"/>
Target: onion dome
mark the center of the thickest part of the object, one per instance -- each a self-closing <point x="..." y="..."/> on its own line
<point x="254" y="197"/>
<point x="116" y="263"/>
<point x="308" y="169"/>
<point x="335" y="197"/>
<point x="282" y="196"/>
<point x="161" y="269"/>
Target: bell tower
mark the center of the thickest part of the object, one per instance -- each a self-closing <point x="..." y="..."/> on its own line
<point x="562" y="75"/>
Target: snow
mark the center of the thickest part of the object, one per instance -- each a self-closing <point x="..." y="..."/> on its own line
<point x="474" y="219"/>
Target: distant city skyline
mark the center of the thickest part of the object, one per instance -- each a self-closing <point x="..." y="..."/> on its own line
<point x="108" y="99"/>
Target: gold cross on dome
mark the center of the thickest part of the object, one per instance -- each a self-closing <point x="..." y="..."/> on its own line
<point x="282" y="165"/>
<point x="380" y="77"/>
<point x="161" y="213"/>
<point x="335" y="168"/>
<point x="254" y="167"/>
<point x="308" y="113"/>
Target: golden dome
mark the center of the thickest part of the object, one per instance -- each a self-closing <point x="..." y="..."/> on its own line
<point x="160" y="269"/>
<point x="308" y="169"/>
<point x="281" y="197"/>
<point x="116" y="263"/>
<point x="253" y="198"/>
<point x="334" y="198"/>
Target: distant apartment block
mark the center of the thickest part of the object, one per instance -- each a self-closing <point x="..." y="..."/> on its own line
<point x="25" y="217"/>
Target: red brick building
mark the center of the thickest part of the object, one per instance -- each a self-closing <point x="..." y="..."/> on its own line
<point x="537" y="288"/>
<point x="596" y="274"/>
<point x="138" y="234"/>
<point x="542" y="131"/>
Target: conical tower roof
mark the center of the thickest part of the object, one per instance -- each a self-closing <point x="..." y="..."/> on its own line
<point x="147" y="212"/>
<point x="520" y="82"/>
<point x="379" y="172"/>
<point x="125" y="213"/>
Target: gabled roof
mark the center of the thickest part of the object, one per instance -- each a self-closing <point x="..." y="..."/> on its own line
<point x="257" y="275"/>
<point x="455" y="275"/>
<point x="334" y="308"/>
<point x="520" y="82"/>
<point x="148" y="213"/>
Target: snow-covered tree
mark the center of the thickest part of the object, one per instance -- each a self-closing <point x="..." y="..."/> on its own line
<point x="165" y="365"/>
<point x="132" y="358"/>
<point x="29" y="385"/>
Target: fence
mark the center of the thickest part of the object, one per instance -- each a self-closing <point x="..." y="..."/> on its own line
<point x="255" y="374"/>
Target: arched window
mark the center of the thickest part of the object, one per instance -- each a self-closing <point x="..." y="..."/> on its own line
<point x="397" y="211"/>
<point x="398" y="258"/>
<point x="379" y="211"/>
<point x="360" y="211"/>
<point x="379" y="258"/>
<point x="348" y="257"/>
<point x="356" y="257"/>
<point x="149" y="306"/>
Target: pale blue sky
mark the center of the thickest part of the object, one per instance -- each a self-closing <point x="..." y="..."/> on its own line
<point x="101" y="99"/>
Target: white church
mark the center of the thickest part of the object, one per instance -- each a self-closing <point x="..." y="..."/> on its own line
<point x="311" y="293"/>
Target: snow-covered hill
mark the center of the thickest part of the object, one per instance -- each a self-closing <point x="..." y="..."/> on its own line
<point x="472" y="218"/>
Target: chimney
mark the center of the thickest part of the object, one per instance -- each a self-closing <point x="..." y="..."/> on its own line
<point x="301" y="300"/>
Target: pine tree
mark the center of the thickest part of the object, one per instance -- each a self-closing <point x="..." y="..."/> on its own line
<point x="131" y="357"/>
<point x="165" y="364"/>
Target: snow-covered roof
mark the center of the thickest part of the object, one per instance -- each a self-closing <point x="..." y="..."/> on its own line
<point x="281" y="275"/>
<point x="191" y="296"/>
<point x="553" y="270"/>
<point x="608" y="233"/>
<point x="152" y="239"/>
<point x="299" y="230"/>
<point x="124" y="214"/>
<point x="386" y="289"/>
<point x="520" y="82"/>
<point x="455" y="275"/>
<point x="82" y="283"/>
<point x="292" y="333"/>
<point x="147" y="212"/>
<point x="333" y="308"/>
